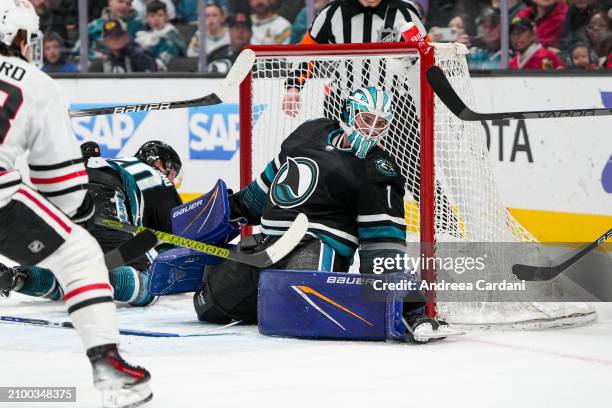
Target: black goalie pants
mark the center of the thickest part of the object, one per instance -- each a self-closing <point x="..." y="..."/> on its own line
<point x="229" y="290"/>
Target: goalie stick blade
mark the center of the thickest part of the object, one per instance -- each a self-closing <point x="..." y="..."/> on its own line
<point x="535" y="273"/>
<point x="262" y="259"/>
<point x="130" y="250"/>
<point x="442" y="87"/>
<point x="544" y="273"/>
<point x="240" y="69"/>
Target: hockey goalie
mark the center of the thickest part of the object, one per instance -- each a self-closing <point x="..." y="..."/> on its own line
<point x="352" y="192"/>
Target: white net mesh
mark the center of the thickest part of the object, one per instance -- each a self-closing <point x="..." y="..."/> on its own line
<point x="467" y="205"/>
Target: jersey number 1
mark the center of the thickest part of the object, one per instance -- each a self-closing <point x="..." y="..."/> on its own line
<point x="11" y="99"/>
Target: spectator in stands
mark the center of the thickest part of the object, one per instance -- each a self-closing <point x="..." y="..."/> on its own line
<point x="514" y="6"/>
<point x="124" y="55"/>
<point x="576" y="19"/>
<point x="530" y="54"/>
<point x="581" y="56"/>
<point x="463" y="29"/>
<point x="599" y="33"/>
<point x="548" y="17"/>
<point x="300" y="24"/>
<point x="162" y="41"/>
<point x="240" y="33"/>
<point x="140" y="6"/>
<point x="288" y="9"/>
<point x="118" y="10"/>
<point x="217" y="34"/>
<point x="59" y="16"/>
<point x="54" y="55"/>
<point x="186" y="11"/>
<point x="485" y="51"/>
<point x="439" y="12"/>
<point x="268" y="27"/>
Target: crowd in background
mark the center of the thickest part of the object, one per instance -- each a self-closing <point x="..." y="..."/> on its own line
<point x="162" y="35"/>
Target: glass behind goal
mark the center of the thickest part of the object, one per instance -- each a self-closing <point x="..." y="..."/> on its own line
<point x="450" y="194"/>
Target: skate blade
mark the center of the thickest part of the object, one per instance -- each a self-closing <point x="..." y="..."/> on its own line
<point x="127" y="397"/>
<point x="425" y="332"/>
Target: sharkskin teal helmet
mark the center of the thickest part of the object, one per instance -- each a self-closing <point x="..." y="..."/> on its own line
<point x="365" y="131"/>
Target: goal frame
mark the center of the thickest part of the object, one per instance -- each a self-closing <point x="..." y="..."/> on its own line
<point x="426" y="127"/>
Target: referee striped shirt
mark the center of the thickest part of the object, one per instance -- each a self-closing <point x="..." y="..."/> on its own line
<point x="348" y="22"/>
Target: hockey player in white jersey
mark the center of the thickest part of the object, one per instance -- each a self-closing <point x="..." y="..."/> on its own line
<point x="40" y="226"/>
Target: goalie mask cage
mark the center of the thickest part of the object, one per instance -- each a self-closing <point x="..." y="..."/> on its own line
<point x="450" y="195"/>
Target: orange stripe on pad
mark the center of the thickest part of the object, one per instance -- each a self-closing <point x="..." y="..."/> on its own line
<point x="308" y="289"/>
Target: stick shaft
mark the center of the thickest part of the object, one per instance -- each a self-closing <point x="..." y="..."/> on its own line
<point x="444" y="90"/>
<point x="126" y="332"/>
<point x="544" y="273"/>
<point x="211" y="99"/>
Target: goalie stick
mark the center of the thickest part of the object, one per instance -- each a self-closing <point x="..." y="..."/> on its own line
<point x="240" y="69"/>
<point x="262" y="259"/>
<point x="544" y="273"/>
<point x="442" y="87"/>
<point x="126" y="332"/>
<point x="130" y="250"/>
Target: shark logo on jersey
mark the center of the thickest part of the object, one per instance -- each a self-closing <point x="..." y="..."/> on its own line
<point x="385" y="167"/>
<point x="295" y="182"/>
<point x="111" y="132"/>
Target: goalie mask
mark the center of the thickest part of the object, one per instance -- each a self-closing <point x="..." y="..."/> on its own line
<point x="16" y="16"/>
<point x="169" y="159"/>
<point x="366" y="119"/>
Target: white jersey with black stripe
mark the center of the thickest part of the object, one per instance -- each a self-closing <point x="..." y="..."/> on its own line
<point x="34" y="119"/>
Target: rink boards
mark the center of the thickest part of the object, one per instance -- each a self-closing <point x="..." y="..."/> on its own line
<point x="554" y="175"/>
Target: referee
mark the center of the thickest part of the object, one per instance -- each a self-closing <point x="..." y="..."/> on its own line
<point x="368" y="21"/>
<point x="348" y="22"/>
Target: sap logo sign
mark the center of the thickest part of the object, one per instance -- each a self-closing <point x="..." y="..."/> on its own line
<point x="606" y="175"/>
<point x="111" y="132"/>
<point x="606" y="98"/>
<point x="214" y="132"/>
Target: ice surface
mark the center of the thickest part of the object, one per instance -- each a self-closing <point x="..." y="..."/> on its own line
<point x="554" y="368"/>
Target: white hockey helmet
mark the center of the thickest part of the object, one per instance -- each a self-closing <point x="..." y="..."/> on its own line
<point x="18" y="15"/>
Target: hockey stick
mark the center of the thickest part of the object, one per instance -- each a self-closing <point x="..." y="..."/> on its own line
<point x="126" y="332"/>
<point x="442" y="87"/>
<point x="130" y="250"/>
<point x="262" y="259"/>
<point x="544" y="273"/>
<point x="240" y="69"/>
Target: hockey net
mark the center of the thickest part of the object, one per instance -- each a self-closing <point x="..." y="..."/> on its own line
<point x="450" y="197"/>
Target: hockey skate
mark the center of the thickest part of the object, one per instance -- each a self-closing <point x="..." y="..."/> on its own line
<point x="12" y="279"/>
<point x="422" y="329"/>
<point x="122" y="385"/>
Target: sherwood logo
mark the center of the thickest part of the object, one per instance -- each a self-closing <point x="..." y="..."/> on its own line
<point x="142" y="108"/>
<point x="187" y="209"/>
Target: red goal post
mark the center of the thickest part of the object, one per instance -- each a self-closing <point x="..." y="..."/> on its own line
<point x="426" y="53"/>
